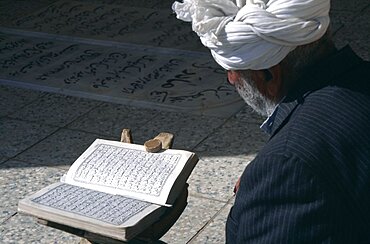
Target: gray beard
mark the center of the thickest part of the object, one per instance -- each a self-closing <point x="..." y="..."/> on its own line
<point x="249" y="92"/>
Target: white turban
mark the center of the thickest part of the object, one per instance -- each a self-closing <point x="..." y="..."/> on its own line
<point x="254" y="34"/>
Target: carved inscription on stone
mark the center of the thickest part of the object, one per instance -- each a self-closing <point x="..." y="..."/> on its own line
<point x="112" y="22"/>
<point x="11" y="10"/>
<point x="173" y="79"/>
<point x="153" y="4"/>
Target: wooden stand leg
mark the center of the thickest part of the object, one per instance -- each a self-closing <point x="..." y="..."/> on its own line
<point x="126" y="136"/>
<point x="166" y="139"/>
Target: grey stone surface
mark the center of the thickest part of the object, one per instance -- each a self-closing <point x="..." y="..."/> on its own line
<point x="62" y="148"/>
<point x="11" y="10"/>
<point x="175" y="80"/>
<point x="354" y="5"/>
<point x="215" y="230"/>
<point x="356" y="33"/>
<point x="55" y="109"/>
<point x="238" y="137"/>
<point x="152" y="4"/>
<point x="215" y="177"/>
<point x="19" y="179"/>
<point x="338" y="19"/>
<point x="197" y="213"/>
<point x="91" y="54"/>
<point x="189" y="130"/>
<point x="247" y="115"/>
<point x="5" y="214"/>
<point x="3" y="159"/>
<point x="13" y="99"/>
<point x="22" y="229"/>
<point x="117" y="22"/>
<point x="110" y="119"/>
<point x="17" y="135"/>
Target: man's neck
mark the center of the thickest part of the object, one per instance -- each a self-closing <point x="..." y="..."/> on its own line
<point x="292" y="78"/>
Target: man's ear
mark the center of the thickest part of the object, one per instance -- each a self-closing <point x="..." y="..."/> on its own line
<point x="274" y="85"/>
<point x="269" y="81"/>
<point x="233" y="77"/>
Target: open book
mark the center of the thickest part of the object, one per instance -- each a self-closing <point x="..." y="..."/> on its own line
<point x="114" y="189"/>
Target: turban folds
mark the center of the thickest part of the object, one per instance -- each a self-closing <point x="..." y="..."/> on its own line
<point x="254" y="34"/>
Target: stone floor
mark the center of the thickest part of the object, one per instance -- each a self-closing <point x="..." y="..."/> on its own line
<point x="42" y="131"/>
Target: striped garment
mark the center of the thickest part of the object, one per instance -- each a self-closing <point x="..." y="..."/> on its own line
<point x="311" y="181"/>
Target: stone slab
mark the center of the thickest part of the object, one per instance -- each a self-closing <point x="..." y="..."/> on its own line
<point x="6" y="214"/>
<point x="109" y="119"/>
<point x="152" y="4"/>
<point x="17" y="135"/>
<point x="235" y="138"/>
<point x="130" y="21"/>
<point x="215" y="231"/>
<point x="22" y="229"/>
<point x="215" y="177"/>
<point x="164" y="79"/>
<point x="3" y="159"/>
<point x="22" y="179"/>
<point x="19" y="179"/>
<point x="339" y="18"/>
<point x="196" y="214"/>
<point x="60" y="149"/>
<point x="55" y="109"/>
<point x="356" y="33"/>
<point x="11" y="10"/>
<point x="114" y="22"/>
<point x="189" y="130"/>
<point x="13" y="99"/>
<point x="249" y="116"/>
<point x="354" y="5"/>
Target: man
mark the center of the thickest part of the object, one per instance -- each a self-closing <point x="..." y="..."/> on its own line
<point x="311" y="181"/>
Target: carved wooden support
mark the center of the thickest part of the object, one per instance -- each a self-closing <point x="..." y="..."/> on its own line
<point x="166" y="139"/>
<point x="126" y="136"/>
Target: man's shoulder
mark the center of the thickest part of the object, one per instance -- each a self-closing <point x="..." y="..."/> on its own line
<point x="332" y="108"/>
<point x="326" y="118"/>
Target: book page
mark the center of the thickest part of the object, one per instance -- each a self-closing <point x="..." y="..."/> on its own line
<point x="128" y="170"/>
<point x="109" y="215"/>
<point x="111" y="209"/>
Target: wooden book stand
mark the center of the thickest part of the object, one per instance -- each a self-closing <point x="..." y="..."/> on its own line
<point x="151" y="234"/>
